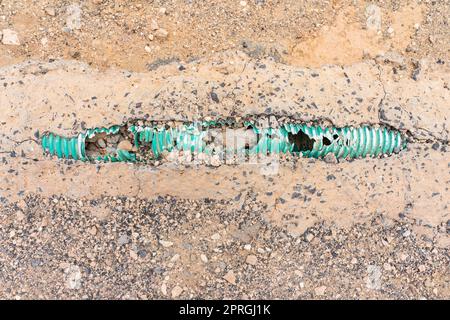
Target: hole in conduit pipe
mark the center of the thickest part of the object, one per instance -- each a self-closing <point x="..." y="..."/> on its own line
<point x="145" y="143"/>
<point x="302" y="142"/>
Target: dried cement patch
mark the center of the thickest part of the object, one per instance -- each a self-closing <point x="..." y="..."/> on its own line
<point x="66" y="97"/>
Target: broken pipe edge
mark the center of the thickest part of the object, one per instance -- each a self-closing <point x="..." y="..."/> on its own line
<point x="344" y="143"/>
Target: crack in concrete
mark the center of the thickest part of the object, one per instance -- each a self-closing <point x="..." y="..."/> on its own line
<point x="385" y="121"/>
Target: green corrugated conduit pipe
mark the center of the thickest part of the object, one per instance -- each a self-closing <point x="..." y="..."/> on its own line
<point x="308" y="141"/>
<point x="75" y="147"/>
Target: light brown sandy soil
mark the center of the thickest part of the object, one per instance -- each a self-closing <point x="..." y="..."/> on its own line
<point x="369" y="228"/>
<point x="304" y="33"/>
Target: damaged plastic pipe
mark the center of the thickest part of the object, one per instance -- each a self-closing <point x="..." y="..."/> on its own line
<point x="124" y="143"/>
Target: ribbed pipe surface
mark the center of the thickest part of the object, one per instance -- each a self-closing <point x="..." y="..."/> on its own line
<point x="309" y="141"/>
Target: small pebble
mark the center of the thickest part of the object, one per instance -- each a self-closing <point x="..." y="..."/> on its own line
<point x="93" y="230"/>
<point x="101" y="143"/>
<point x="320" y="291"/>
<point x="230" y="277"/>
<point x="176" y="291"/>
<point x="215" y="236"/>
<point x="161" y="33"/>
<point x="154" y="25"/>
<point x="20" y="216"/>
<point x="10" y="37"/>
<point x="50" y="11"/>
<point x="164" y="289"/>
<point x="165" y="244"/>
<point x="133" y="255"/>
<point x="251" y="259"/>
<point x="123" y="239"/>
<point x="125" y="145"/>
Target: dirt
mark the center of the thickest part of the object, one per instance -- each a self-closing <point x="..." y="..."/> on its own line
<point x="122" y="34"/>
<point x="285" y="227"/>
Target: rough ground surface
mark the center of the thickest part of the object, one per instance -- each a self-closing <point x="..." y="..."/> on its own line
<point x="369" y="228"/>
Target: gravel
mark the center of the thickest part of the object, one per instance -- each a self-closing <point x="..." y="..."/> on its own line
<point x="10" y="37"/>
<point x="45" y="252"/>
